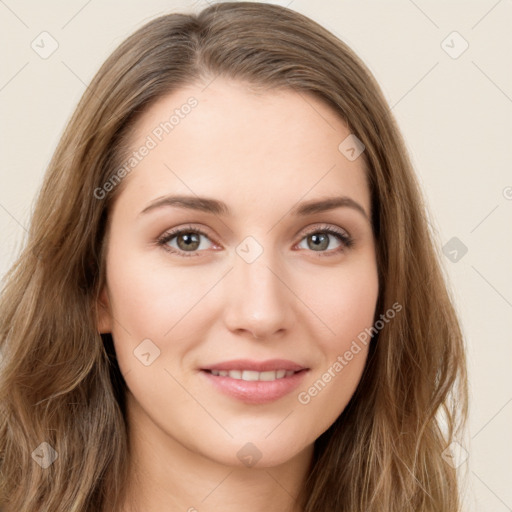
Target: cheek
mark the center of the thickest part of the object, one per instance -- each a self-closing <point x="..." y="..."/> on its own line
<point x="152" y="299"/>
<point x="147" y="304"/>
<point x="345" y="302"/>
<point x="346" y="305"/>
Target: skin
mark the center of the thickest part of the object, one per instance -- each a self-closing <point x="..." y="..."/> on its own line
<point x="262" y="154"/>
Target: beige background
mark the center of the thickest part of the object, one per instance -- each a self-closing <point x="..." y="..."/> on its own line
<point x="455" y="113"/>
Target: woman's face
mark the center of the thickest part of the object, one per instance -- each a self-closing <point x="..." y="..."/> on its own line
<point x="206" y="322"/>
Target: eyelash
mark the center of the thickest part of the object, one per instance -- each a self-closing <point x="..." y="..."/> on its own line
<point x="345" y="240"/>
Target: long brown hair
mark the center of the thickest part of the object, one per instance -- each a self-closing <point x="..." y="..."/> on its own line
<point x="60" y="382"/>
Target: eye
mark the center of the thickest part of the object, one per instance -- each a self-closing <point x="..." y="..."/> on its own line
<point x="319" y="239"/>
<point x="188" y="240"/>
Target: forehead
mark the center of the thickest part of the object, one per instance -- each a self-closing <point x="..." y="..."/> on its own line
<point x="272" y="145"/>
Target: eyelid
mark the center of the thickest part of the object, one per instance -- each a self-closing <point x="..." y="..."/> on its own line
<point x="319" y="227"/>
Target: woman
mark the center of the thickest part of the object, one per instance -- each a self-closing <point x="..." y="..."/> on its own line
<point x="230" y="296"/>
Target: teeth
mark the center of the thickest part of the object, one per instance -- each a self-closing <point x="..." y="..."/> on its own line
<point x="250" y="375"/>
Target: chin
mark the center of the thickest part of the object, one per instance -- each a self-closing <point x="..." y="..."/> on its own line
<point x="258" y="453"/>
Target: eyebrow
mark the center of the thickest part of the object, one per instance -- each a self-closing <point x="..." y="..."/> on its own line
<point x="216" y="207"/>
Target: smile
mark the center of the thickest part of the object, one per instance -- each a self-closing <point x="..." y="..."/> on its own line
<point x="255" y="382"/>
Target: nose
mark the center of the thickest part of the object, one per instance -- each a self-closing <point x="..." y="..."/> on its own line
<point x="258" y="300"/>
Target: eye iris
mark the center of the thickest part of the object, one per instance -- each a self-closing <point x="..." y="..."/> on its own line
<point x="191" y="241"/>
<point x="319" y="240"/>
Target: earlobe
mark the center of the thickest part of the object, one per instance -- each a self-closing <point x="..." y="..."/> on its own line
<point x="104" y="318"/>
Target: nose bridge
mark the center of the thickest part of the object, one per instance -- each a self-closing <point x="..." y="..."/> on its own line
<point x="257" y="299"/>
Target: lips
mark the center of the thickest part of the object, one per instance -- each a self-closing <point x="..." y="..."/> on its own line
<point x="257" y="366"/>
<point x="255" y="382"/>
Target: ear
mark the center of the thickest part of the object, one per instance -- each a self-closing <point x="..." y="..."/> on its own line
<point x="104" y="317"/>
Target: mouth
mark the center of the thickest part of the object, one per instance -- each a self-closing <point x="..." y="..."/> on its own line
<point x="255" y="382"/>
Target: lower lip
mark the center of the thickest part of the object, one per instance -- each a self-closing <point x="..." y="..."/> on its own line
<point x="256" y="391"/>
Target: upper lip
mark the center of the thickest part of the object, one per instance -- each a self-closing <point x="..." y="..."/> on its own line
<point x="257" y="366"/>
